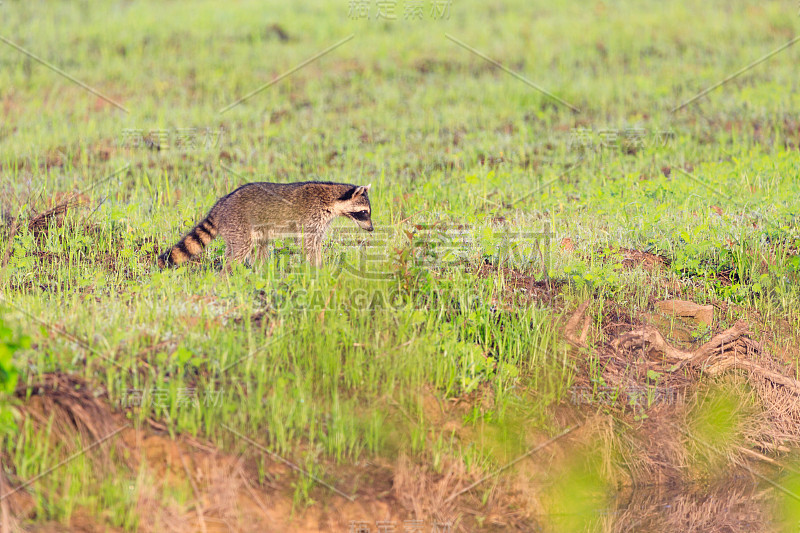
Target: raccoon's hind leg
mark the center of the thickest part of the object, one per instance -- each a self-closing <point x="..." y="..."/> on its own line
<point x="261" y="252"/>
<point x="238" y="246"/>
<point x="260" y="237"/>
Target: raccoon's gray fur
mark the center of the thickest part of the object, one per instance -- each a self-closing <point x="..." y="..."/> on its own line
<point x="257" y="212"/>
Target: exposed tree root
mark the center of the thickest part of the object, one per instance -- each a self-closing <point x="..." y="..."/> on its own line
<point x="570" y="331"/>
<point x="731" y="349"/>
<point x="39" y="222"/>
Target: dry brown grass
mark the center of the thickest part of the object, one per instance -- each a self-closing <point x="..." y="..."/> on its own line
<point x="73" y="405"/>
<point x="720" y="507"/>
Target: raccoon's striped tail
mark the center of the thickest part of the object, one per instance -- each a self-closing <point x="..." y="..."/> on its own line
<point x="191" y="244"/>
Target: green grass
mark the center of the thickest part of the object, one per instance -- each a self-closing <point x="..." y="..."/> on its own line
<point x="332" y="366"/>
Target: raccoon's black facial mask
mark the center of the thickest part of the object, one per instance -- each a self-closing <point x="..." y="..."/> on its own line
<point x="361" y="216"/>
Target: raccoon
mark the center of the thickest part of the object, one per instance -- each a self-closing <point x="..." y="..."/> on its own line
<point x="255" y="213"/>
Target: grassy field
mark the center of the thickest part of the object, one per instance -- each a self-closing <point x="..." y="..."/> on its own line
<point x="493" y="357"/>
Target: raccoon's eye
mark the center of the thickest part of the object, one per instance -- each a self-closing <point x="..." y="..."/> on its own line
<point x="360" y="215"/>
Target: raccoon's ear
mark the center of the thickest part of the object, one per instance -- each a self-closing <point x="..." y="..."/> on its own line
<point x="361" y="189"/>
